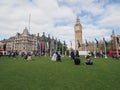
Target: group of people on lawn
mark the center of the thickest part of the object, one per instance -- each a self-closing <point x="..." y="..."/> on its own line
<point x="56" y="56"/>
<point x="74" y="56"/>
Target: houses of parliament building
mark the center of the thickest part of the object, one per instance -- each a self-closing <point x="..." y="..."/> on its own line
<point x="26" y="42"/>
<point x="91" y="46"/>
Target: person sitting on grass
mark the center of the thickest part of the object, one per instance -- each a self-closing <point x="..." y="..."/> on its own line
<point x="58" y="57"/>
<point x="54" y="56"/>
<point x="26" y="56"/>
<point x="29" y="58"/>
<point x="88" y="60"/>
<point x="77" y="58"/>
<point x="72" y="55"/>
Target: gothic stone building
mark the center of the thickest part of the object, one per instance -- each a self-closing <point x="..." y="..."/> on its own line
<point x="27" y="42"/>
<point x="46" y="45"/>
<point x="78" y="35"/>
<point x="114" y="41"/>
<point x="21" y="42"/>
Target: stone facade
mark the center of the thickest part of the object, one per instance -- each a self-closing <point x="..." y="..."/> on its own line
<point x="92" y="46"/>
<point x="114" y="42"/>
<point x="78" y="34"/>
<point x="21" y="42"/>
<point x="46" y="45"/>
<point x="26" y="42"/>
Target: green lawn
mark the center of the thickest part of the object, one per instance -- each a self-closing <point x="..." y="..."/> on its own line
<point x="43" y="74"/>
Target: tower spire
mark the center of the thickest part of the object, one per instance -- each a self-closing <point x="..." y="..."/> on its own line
<point x="78" y="34"/>
<point x="77" y="20"/>
<point x="113" y="33"/>
<point x="29" y="21"/>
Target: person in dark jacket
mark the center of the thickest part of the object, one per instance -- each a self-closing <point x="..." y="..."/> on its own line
<point x="58" y="57"/>
<point x="77" y="58"/>
<point x="72" y="55"/>
<point x="26" y="56"/>
<point x="88" y="60"/>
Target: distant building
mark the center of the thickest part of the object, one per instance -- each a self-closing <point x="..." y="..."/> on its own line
<point x="113" y="44"/>
<point x="92" y="46"/>
<point x="21" y="42"/>
<point x="78" y="35"/>
<point x="46" y="45"/>
<point x="1" y="45"/>
<point x="114" y="41"/>
<point x="26" y="42"/>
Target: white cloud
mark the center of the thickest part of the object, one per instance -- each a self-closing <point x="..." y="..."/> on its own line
<point x="111" y="16"/>
<point x="91" y="32"/>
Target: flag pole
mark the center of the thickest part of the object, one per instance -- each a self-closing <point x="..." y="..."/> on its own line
<point x="105" y="50"/>
<point x="85" y="51"/>
<point x="87" y="46"/>
<point x="116" y="45"/>
<point x="62" y="50"/>
<point x="29" y="21"/>
<point x="94" y="50"/>
<point x="71" y="44"/>
<point x="96" y="46"/>
<point x="70" y="48"/>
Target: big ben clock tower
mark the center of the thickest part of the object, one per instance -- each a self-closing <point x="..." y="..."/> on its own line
<point x="78" y="35"/>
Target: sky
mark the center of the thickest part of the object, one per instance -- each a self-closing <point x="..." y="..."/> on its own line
<point x="58" y="17"/>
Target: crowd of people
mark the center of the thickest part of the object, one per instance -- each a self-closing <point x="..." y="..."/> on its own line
<point x="56" y="56"/>
<point x="74" y="56"/>
<point x="15" y="54"/>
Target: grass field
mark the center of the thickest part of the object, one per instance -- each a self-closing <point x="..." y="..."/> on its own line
<point x="43" y="74"/>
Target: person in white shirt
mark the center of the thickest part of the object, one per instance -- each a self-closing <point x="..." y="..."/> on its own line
<point x="54" y="56"/>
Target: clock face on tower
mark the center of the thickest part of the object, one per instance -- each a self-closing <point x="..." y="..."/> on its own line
<point x="77" y="28"/>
